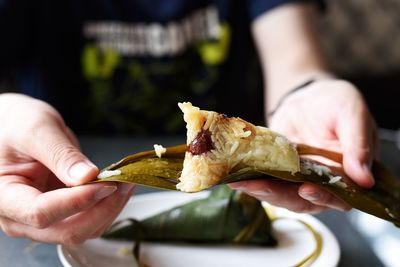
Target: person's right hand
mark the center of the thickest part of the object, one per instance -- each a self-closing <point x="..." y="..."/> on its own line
<point x="41" y="175"/>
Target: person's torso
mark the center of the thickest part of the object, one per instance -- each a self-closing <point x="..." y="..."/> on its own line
<point x="122" y="66"/>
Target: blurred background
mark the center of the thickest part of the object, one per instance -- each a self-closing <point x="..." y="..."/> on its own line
<point x="361" y="42"/>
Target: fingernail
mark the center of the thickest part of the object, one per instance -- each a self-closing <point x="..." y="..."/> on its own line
<point x="79" y="170"/>
<point x="261" y="193"/>
<point x="311" y="196"/>
<point x="368" y="165"/>
<point x="105" y="192"/>
<point x="342" y="209"/>
<point x="367" y="170"/>
<point x="125" y="188"/>
<point x="238" y="185"/>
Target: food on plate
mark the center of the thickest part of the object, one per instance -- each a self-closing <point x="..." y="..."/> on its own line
<point x="225" y="216"/>
<point x="222" y="217"/>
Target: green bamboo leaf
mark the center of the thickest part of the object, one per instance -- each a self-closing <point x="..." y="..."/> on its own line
<point x="382" y="200"/>
<point x="225" y="216"/>
<point x="145" y="168"/>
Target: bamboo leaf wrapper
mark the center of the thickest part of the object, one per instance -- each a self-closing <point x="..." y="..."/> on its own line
<point x="382" y="200"/>
<point x="225" y="216"/>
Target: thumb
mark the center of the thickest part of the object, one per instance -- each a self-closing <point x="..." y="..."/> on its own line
<point x="52" y="146"/>
<point x="356" y="135"/>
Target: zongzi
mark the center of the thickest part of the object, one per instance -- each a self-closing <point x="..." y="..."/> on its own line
<point x="218" y="144"/>
<point x="225" y="216"/>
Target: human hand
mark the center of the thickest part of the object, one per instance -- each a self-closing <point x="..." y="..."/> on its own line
<point x="330" y="114"/>
<point x="39" y="157"/>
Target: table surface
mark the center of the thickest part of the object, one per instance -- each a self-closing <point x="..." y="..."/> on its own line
<point x="18" y="252"/>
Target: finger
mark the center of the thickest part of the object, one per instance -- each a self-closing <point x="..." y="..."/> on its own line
<point x="54" y="146"/>
<point x="277" y="193"/>
<point x="126" y="191"/>
<point x="72" y="137"/>
<point x="355" y="133"/>
<point x="76" y="229"/>
<point x="95" y="221"/>
<point x="320" y="197"/>
<point x="40" y="210"/>
<point x="377" y="145"/>
<point x="11" y="228"/>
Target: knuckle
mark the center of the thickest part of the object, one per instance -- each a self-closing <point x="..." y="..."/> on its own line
<point x="36" y="124"/>
<point x="37" y="218"/>
<point x="72" y="239"/>
<point x="61" y="153"/>
<point x="78" y="203"/>
<point x="326" y="199"/>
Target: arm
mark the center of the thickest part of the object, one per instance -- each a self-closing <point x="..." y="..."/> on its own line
<point x="328" y="113"/>
<point x="288" y="49"/>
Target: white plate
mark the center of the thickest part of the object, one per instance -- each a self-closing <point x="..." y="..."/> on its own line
<point x="294" y="243"/>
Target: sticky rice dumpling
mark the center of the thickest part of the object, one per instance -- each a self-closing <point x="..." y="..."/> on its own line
<point x="218" y="144"/>
<point x="225" y="216"/>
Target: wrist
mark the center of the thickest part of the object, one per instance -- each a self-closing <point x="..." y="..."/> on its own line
<point x="303" y="85"/>
<point x="278" y="83"/>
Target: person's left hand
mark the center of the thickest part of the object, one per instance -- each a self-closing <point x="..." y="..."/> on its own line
<point x="329" y="114"/>
<point x="45" y="194"/>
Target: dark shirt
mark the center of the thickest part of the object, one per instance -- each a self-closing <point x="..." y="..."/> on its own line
<point x="122" y="65"/>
